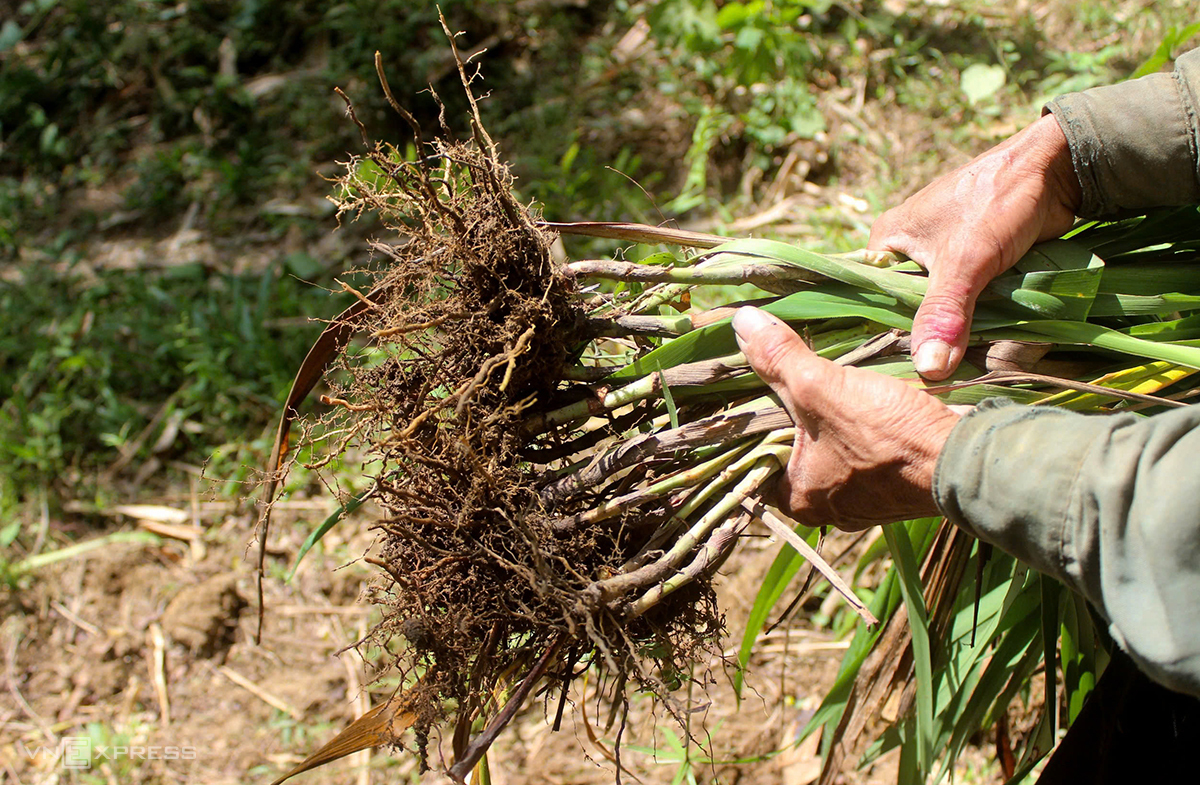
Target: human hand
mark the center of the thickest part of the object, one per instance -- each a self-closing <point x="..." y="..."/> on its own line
<point x="974" y="223"/>
<point x="866" y="444"/>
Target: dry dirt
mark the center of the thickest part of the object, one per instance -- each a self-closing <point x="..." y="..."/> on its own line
<point x="147" y="650"/>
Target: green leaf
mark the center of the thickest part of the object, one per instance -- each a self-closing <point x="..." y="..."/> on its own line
<point x="734" y="14"/>
<point x="80" y="548"/>
<point x="715" y="340"/>
<point x="1156" y="61"/>
<point x="669" y="400"/>
<point x="49" y="138"/>
<point x="1045" y="733"/>
<point x="906" y="289"/>
<point x="1162" y="54"/>
<point x="980" y="81"/>
<point x="1078" y="645"/>
<point x="808" y="121"/>
<point x="1185" y="329"/>
<point x="1130" y="239"/>
<point x="1143" y="305"/>
<point x="1000" y="641"/>
<point x="10" y="35"/>
<point x="9" y="533"/>
<point x="353" y="504"/>
<point x="661" y="258"/>
<point x="748" y="39"/>
<point x="1056" y="280"/>
<point x="568" y="159"/>
<point x="1085" y="334"/>
<point x="914" y="600"/>
<point x="1150" y="279"/>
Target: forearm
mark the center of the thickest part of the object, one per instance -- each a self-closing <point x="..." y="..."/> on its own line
<point x="1136" y="144"/>
<point x="1108" y="504"/>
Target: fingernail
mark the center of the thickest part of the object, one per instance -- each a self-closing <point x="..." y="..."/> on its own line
<point x="748" y="321"/>
<point x="933" y="358"/>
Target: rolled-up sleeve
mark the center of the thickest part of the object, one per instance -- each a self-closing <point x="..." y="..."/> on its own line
<point x="1109" y="504"/>
<point x="1136" y="144"/>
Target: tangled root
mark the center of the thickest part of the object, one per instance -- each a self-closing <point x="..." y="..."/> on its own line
<point x="471" y="326"/>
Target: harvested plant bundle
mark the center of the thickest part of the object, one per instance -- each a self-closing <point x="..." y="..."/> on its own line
<point x="562" y="465"/>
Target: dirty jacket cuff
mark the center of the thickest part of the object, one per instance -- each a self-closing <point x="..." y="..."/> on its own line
<point x="1135" y="144"/>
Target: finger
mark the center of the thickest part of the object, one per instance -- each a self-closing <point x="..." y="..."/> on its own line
<point x="942" y="325"/>
<point x="784" y="494"/>
<point x="886" y="234"/>
<point x="780" y="358"/>
<point x="907" y="231"/>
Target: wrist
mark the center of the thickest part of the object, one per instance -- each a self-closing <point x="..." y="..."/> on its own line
<point x="1062" y="183"/>
<point x="936" y="433"/>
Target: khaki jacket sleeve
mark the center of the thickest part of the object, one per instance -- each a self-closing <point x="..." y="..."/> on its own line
<point x="1136" y="144"/>
<point x="1109" y="504"/>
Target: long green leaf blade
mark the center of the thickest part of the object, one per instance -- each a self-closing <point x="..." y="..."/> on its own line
<point x="715" y="340"/>
<point x="350" y="506"/>
<point x="1087" y="334"/>
<point x="910" y="585"/>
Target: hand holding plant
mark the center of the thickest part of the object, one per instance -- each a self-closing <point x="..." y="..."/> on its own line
<point x="866" y="444"/>
<point x="974" y="223"/>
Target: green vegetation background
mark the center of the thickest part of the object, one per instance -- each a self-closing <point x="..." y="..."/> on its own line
<point x="163" y="233"/>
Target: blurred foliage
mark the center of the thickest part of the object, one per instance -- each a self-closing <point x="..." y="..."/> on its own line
<point x="203" y="116"/>
<point x="135" y="118"/>
<point x="97" y="367"/>
<point x="228" y="104"/>
<point x="223" y="103"/>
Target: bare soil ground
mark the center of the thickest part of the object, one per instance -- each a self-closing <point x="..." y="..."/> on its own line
<point x="146" y="650"/>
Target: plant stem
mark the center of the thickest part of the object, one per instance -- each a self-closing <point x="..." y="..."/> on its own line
<point x="711" y="554"/>
<point x="687" y="478"/>
<point x="660" y="326"/>
<point x="695" y="374"/>
<point x="716" y="543"/>
<point x="711" y="430"/>
<point x="776" y="278"/>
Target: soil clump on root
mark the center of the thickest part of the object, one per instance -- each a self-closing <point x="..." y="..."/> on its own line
<point x="471" y="326"/>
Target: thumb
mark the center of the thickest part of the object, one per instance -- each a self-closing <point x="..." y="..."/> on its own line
<point x="781" y="359"/>
<point x="942" y="325"/>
